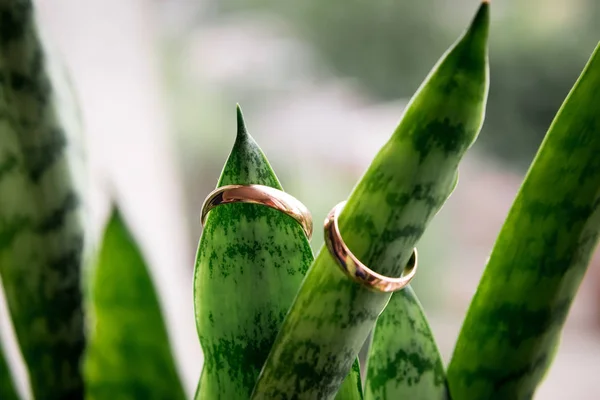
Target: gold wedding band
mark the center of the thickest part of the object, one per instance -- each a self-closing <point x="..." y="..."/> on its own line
<point x="353" y="268"/>
<point x="259" y="194"/>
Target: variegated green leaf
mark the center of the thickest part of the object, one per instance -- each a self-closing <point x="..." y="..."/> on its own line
<point x="41" y="229"/>
<point x="385" y="216"/>
<point x="251" y="260"/>
<point x="404" y="361"/>
<point x="540" y="257"/>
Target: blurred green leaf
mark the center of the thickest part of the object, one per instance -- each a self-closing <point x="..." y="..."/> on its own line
<point x="41" y="228"/>
<point x="539" y="259"/>
<point x="128" y="355"/>
<point x="405" y="186"/>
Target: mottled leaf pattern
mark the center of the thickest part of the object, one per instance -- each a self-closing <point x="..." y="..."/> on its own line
<point x="404" y="361"/>
<point x="385" y="216"/>
<point x="251" y="260"/>
<point x="539" y="259"/>
<point x="128" y="355"/>
<point x="41" y="228"/>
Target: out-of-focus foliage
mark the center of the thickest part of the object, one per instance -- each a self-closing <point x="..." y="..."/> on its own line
<point x="128" y="351"/>
<point x="42" y="234"/>
<point x="388" y="47"/>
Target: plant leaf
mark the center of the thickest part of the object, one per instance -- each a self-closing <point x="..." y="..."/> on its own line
<point x="128" y="354"/>
<point x="251" y="260"/>
<point x="404" y="361"/>
<point x="351" y="388"/>
<point x="41" y="226"/>
<point x="404" y="187"/>
<point x="539" y="259"/>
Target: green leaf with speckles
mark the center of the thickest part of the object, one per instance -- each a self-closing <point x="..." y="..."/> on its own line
<point x="539" y="259"/>
<point x="7" y="387"/>
<point x="128" y="355"/>
<point x="404" y="361"/>
<point x="386" y="214"/>
<point x="41" y="219"/>
<point x="250" y="263"/>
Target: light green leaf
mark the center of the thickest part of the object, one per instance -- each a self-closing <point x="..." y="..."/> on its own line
<point x="404" y="361"/>
<point x="128" y="355"/>
<point x="351" y="388"/>
<point x="251" y="260"/>
<point x="386" y="214"/>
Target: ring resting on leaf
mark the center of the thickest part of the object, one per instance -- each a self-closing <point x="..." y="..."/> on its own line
<point x="263" y="195"/>
<point x="356" y="270"/>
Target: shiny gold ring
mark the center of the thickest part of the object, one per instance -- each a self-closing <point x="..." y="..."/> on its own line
<point x="259" y="194"/>
<point x="353" y="268"/>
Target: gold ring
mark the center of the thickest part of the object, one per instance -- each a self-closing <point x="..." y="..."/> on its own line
<point x="259" y="194"/>
<point x="353" y="268"/>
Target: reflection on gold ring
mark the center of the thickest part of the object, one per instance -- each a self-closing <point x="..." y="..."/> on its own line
<point x="259" y="194"/>
<point x="356" y="270"/>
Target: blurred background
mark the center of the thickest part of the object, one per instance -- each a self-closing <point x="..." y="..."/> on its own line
<point x="158" y="81"/>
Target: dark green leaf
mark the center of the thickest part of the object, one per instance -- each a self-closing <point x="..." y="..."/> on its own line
<point x="539" y="259"/>
<point x="41" y="228"/>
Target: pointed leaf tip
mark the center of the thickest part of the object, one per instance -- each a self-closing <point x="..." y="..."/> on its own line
<point x="478" y="30"/>
<point x="241" y="125"/>
<point x="482" y="18"/>
<point x="115" y="215"/>
<point x="120" y="261"/>
<point x="247" y="163"/>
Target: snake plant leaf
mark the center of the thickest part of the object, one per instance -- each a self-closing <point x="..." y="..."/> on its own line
<point x="386" y="214"/>
<point x="404" y="361"/>
<point x="7" y="387"/>
<point x="539" y="258"/>
<point x="351" y="388"/>
<point x="251" y="260"/>
<point x="41" y="220"/>
<point x="128" y="354"/>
